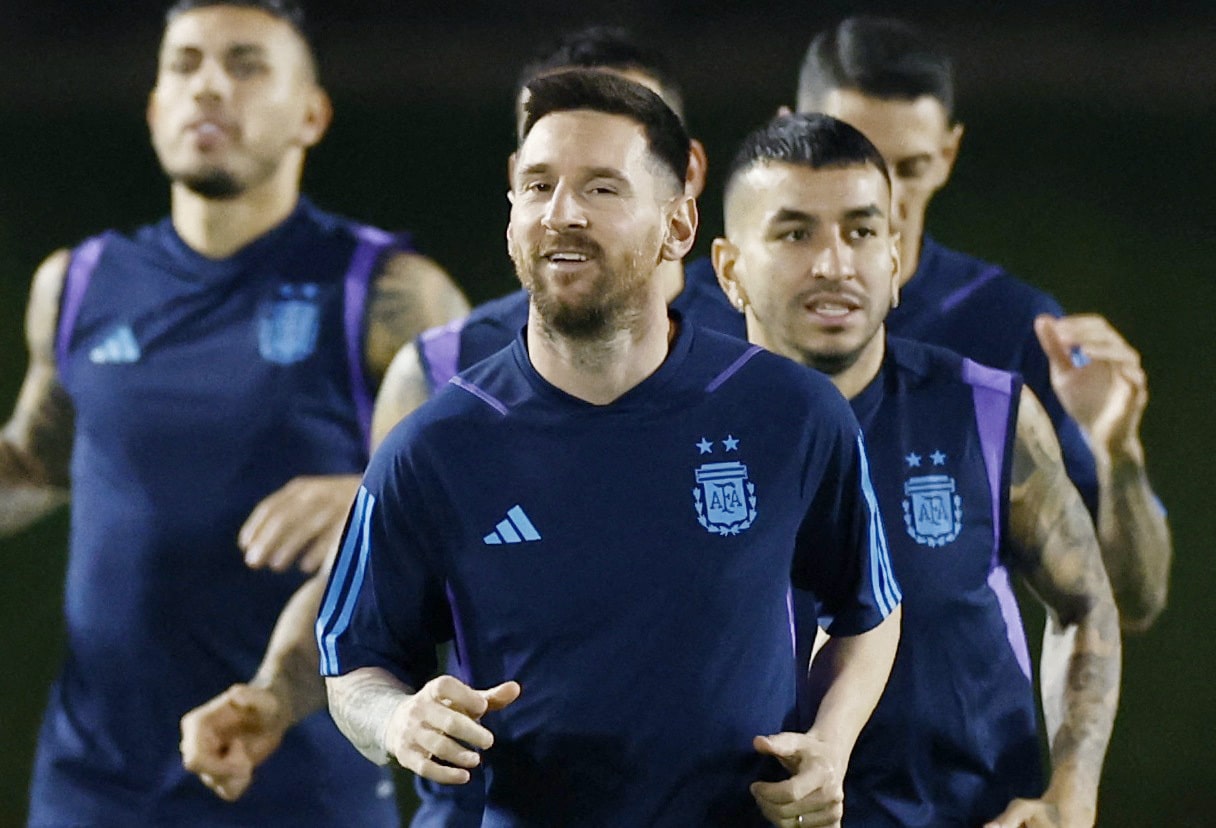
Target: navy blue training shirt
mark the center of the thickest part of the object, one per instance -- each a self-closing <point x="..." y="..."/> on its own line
<point x="629" y="564"/>
<point x="954" y="738"/>
<point x="980" y="311"/>
<point x="200" y="386"/>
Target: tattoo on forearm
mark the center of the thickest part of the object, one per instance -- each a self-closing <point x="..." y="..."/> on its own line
<point x="361" y="704"/>
<point x="1056" y="549"/>
<point x="1136" y="543"/>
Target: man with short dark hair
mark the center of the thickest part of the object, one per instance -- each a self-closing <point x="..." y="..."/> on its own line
<point x="888" y="79"/>
<point x="969" y="478"/>
<point x="225" y="739"/>
<point x="202" y="387"/>
<point x="608" y="527"/>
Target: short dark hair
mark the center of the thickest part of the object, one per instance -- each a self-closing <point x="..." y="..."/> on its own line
<point x="807" y="140"/>
<point x="605" y="47"/>
<point x="599" y="91"/>
<point x="290" y="12"/>
<point x="877" y="56"/>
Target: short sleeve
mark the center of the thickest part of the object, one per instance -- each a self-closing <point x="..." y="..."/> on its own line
<point x="384" y="605"/>
<point x="842" y="555"/>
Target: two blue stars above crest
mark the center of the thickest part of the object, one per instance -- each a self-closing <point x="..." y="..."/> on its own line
<point x="731" y="443"/>
<point x="913" y="460"/>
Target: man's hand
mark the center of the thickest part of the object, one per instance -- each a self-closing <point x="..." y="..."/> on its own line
<point x="428" y="728"/>
<point x="299" y="524"/>
<point x="1098" y="378"/>
<point x="814" y="793"/>
<point x="225" y="739"/>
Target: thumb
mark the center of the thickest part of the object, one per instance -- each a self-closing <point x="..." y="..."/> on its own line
<point x="1047" y="329"/>
<point x="501" y="695"/>
<point x="784" y="746"/>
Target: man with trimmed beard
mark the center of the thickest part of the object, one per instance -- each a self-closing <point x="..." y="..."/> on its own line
<point x="608" y="528"/>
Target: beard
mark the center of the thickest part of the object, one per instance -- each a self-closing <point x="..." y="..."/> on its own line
<point x="215" y="184"/>
<point x="615" y="298"/>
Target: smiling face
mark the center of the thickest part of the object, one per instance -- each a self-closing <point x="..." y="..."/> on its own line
<point x="592" y="215"/>
<point x="810" y="255"/>
<point x="235" y="99"/>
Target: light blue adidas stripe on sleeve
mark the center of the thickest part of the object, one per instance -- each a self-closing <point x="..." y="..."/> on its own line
<point x="882" y="579"/>
<point x="347" y="580"/>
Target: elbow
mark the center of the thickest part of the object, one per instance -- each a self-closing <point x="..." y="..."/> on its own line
<point x="1138" y="612"/>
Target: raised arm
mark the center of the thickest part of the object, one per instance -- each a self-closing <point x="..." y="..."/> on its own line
<point x="36" y="442"/>
<point x="1054" y="547"/>
<point x="299" y="524"/>
<point x="1106" y="392"/>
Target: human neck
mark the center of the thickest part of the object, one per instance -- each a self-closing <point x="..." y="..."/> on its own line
<point x="219" y="228"/>
<point x="602" y="370"/>
<point x="670" y="278"/>
<point x="910" y="242"/>
<point x="852" y="380"/>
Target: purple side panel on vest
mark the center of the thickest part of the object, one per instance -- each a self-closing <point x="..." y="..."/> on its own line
<point x="953" y="299"/>
<point x="990" y="390"/>
<point x="76" y="282"/>
<point x="372" y="242"/>
<point x="440" y="352"/>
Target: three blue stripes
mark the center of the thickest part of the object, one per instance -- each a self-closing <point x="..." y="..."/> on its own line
<point x="344" y="586"/>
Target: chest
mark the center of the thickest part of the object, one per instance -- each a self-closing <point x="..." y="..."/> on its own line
<point x="939" y="487"/>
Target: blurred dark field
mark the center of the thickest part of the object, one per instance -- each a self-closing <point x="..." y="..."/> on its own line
<point x="1086" y="168"/>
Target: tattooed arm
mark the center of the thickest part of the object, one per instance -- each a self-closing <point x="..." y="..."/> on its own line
<point x="36" y="442"/>
<point x="1054" y="547"/>
<point x="384" y="719"/>
<point x="411" y="294"/>
<point x="1107" y="395"/>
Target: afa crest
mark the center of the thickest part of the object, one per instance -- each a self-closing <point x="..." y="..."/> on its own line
<point x="288" y="324"/>
<point x="933" y="510"/>
<point x="725" y="499"/>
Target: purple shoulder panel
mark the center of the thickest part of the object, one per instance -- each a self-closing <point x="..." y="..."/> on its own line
<point x="76" y="283"/>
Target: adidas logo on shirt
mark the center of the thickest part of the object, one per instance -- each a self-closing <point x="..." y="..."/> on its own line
<point x="516" y="528"/>
<point x="118" y="348"/>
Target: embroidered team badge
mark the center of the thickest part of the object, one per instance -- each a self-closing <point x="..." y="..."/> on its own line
<point x="288" y="324"/>
<point x="933" y="509"/>
<point x="724" y="497"/>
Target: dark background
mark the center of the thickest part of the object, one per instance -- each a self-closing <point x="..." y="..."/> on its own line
<point x="1086" y="168"/>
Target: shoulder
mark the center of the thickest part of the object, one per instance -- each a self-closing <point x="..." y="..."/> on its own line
<point x="921" y="363"/>
<point x="42" y="314"/>
<point x="974" y="281"/>
<point x="479" y="397"/>
<point x="735" y="368"/>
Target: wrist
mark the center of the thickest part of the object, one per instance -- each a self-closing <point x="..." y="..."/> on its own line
<point x="1119" y="457"/>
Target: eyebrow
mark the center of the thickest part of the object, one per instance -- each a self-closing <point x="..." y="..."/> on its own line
<point x="591" y="173"/>
<point x="788" y="214"/>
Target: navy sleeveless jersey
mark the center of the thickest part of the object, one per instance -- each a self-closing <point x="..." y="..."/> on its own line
<point x="954" y="738"/>
<point x="978" y="310"/>
<point x="200" y="386"/>
<point x="629" y="564"/>
<point x="449" y="349"/>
